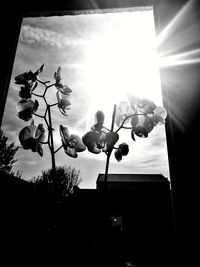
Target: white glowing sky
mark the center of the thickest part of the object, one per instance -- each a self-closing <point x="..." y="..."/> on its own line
<point x="103" y="56"/>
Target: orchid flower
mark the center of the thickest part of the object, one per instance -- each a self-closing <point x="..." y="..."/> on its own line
<point x="64" y="89"/>
<point x="25" y="92"/>
<point x="123" y="111"/>
<point x="142" y="114"/>
<point x="97" y="139"/>
<point x="63" y="93"/>
<point x="142" y="125"/>
<point x="72" y="144"/>
<point x="28" y="78"/>
<point x="26" y="108"/>
<point x="122" y="150"/>
<point x="63" y="103"/>
<point x="31" y="137"/>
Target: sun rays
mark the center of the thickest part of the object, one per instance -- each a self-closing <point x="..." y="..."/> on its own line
<point x="179" y="54"/>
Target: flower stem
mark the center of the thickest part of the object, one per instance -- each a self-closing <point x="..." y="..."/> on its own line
<point x="109" y="152"/>
<point x="58" y="149"/>
<point x="51" y="139"/>
<point x="128" y="117"/>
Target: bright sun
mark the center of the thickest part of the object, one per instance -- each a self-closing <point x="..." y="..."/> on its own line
<point x="123" y="58"/>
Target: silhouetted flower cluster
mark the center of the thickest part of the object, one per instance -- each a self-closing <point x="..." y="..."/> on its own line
<point x="27" y="107"/>
<point x="140" y="115"/>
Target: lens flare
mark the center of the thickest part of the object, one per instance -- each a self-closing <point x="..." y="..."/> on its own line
<point x="179" y="54"/>
<point x="189" y="57"/>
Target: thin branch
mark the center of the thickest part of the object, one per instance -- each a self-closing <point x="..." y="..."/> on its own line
<point x="58" y="149"/>
<point x="46" y="122"/>
<point x="45" y="83"/>
<point x="48" y="86"/>
<point x="110" y="151"/>
<point x="128" y="117"/>
<point x="37" y="115"/>
<point x="55" y="104"/>
<point x="45" y="100"/>
<point x="43" y="143"/>
<point x="45" y="92"/>
<point x="37" y="95"/>
<point x="126" y="127"/>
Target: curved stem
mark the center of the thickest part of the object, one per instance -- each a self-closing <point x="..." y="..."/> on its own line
<point x="36" y="94"/>
<point x="126" y="127"/>
<point x="128" y="117"/>
<point x="43" y="143"/>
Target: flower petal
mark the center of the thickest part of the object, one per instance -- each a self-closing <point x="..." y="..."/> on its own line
<point x="132" y="135"/>
<point x="64" y="133"/>
<point x="124" y="149"/>
<point x="39" y="70"/>
<point x="160" y="111"/>
<point x="26" y="136"/>
<point x="26" y="108"/>
<point x="20" y="79"/>
<point x="118" y="155"/>
<point x="71" y="152"/>
<point x="25" y="91"/>
<point x="91" y="140"/>
<point x="57" y="76"/>
<point x="118" y="118"/>
<point x="64" y="104"/>
<point x="110" y="140"/>
<point x="140" y="131"/>
<point x="158" y="119"/>
<point x="79" y="146"/>
<point x="122" y="111"/>
<point x="25" y="115"/>
<point x="148" y="124"/>
<point x="97" y="127"/>
<point x="132" y="100"/>
<point x="123" y="107"/>
<point x="35" y="107"/>
<point x="99" y="120"/>
<point x="134" y="120"/>
<point x="40" y="133"/>
<point x="40" y="150"/>
<point x="64" y="89"/>
<point x="145" y="106"/>
<point x="99" y="116"/>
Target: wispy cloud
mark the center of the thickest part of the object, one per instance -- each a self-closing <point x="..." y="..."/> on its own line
<point x="37" y="35"/>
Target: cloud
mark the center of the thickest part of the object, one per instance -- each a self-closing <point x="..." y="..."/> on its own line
<point x="49" y="38"/>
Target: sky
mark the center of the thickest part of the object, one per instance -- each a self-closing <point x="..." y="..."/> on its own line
<point x="102" y="56"/>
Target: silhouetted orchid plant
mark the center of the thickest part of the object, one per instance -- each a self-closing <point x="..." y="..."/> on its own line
<point x="32" y="137"/>
<point x="140" y="115"/>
